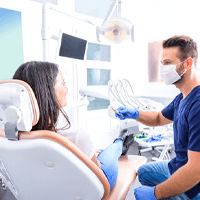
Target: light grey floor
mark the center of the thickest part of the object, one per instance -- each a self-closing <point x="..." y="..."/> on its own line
<point x="133" y="150"/>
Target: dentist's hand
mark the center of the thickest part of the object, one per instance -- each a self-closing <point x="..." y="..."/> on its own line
<point x="144" y="193"/>
<point x="128" y="113"/>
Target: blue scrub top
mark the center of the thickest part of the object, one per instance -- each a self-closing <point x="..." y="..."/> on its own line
<point x="185" y="113"/>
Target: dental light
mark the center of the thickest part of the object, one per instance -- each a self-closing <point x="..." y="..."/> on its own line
<point x="116" y="30"/>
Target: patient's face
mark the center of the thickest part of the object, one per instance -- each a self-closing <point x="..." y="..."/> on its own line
<point x="61" y="89"/>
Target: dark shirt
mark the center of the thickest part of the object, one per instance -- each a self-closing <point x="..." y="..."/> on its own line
<point x="185" y="114"/>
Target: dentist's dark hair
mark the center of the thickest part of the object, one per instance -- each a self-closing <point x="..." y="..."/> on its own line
<point x="41" y="76"/>
<point x="187" y="47"/>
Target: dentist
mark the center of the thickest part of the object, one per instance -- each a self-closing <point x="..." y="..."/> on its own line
<point x="178" y="178"/>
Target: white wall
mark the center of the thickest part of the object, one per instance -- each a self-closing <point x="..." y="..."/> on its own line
<point x="156" y="20"/>
<point x="31" y="26"/>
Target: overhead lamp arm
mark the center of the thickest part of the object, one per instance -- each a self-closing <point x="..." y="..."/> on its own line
<point x="115" y="3"/>
<point x="110" y="11"/>
<point x="119" y="12"/>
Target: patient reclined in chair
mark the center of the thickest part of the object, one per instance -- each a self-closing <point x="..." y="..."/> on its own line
<point x="43" y="164"/>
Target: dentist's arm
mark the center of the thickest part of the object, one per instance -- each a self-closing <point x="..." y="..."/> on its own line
<point x="182" y="180"/>
<point x="149" y="118"/>
<point x="152" y="118"/>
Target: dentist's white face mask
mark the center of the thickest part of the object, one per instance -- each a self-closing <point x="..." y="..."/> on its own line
<point x="169" y="74"/>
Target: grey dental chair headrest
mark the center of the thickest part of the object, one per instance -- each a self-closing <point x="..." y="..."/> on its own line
<point x="19" y="109"/>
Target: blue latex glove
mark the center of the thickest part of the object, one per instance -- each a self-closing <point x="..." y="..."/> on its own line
<point x="128" y="113"/>
<point x="155" y="138"/>
<point x="144" y="193"/>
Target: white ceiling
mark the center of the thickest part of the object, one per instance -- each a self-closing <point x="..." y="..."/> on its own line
<point x="43" y="1"/>
<point x="94" y="8"/>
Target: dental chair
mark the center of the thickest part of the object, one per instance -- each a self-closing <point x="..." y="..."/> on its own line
<point x="39" y="165"/>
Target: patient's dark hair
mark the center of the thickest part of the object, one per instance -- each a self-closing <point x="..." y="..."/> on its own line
<point x="187" y="47"/>
<point x="41" y="76"/>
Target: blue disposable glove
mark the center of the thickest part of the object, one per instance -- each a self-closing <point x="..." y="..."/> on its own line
<point x="128" y="113"/>
<point x="144" y="193"/>
<point x="155" y="138"/>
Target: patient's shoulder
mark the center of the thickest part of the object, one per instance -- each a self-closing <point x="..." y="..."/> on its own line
<point x="69" y="134"/>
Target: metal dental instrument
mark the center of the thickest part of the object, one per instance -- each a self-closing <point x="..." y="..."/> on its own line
<point x="117" y="112"/>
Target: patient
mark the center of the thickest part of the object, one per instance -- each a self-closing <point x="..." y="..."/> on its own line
<point x="50" y="90"/>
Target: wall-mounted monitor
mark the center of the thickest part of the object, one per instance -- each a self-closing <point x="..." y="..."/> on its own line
<point x="70" y="46"/>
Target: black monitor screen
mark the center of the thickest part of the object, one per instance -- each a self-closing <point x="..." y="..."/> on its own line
<point x="72" y="47"/>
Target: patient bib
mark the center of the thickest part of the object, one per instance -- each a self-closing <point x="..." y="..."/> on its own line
<point x="79" y="137"/>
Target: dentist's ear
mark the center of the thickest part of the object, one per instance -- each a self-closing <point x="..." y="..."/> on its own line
<point x="189" y="62"/>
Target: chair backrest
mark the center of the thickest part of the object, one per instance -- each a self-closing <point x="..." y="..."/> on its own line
<point x="43" y="164"/>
